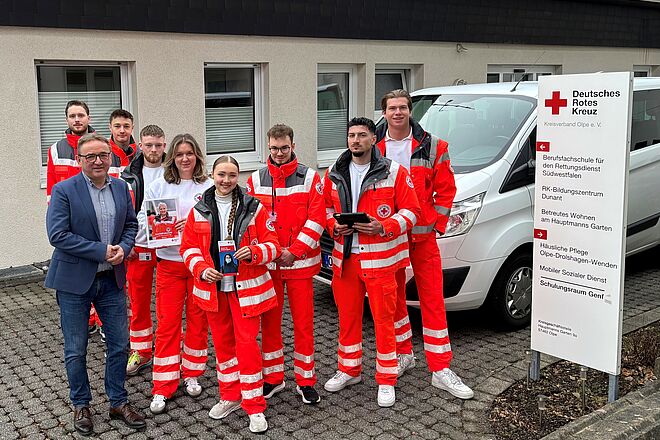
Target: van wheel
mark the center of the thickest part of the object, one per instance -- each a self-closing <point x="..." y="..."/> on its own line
<point x="511" y="293"/>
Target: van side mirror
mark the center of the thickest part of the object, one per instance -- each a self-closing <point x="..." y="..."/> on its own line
<point x="531" y="168"/>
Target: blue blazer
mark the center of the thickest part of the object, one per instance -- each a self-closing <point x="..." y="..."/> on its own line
<point x="74" y="233"/>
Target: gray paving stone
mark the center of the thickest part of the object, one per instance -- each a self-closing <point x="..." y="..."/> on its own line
<point x="486" y="360"/>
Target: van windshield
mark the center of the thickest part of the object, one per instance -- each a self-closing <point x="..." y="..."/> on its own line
<point x="479" y="128"/>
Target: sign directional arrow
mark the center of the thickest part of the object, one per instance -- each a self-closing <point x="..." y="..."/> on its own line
<point x="543" y="147"/>
<point x="540" y="234"/>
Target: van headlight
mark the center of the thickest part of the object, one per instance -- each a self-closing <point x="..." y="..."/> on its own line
<point x="463" y="215"/>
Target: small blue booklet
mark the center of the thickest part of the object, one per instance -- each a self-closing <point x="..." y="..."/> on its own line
<point x="228" y="264"/>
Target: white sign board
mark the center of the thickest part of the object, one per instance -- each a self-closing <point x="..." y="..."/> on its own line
<point x="583" y="139"/>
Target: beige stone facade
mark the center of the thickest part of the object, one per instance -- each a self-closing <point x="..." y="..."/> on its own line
<point x="164" y="81"/>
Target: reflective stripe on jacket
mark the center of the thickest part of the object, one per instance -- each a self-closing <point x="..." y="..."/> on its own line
<point x="254" y="286"/>
<point x="431" y="172"/>
<point x="387" y="194"/>
<point x="62" y="162"/>
<point x="294" y="192"/>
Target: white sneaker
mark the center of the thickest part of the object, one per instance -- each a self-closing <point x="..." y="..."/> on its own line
<point x="193" y="388"/>
<point x="258" y="423"/>
<point x="448" y="380"/>
<point x="223" y="408"/>
<point x="340" y="381"/>
<point x="405" y="362"/>
<point x="157" y="404"/>
<point x="386" y="396"/>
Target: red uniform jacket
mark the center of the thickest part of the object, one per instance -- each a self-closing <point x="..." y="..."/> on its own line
<point x="199" y="250"/>
<point x="431" y="172"/>
<point x="387" y="194"/>
<point x="124" y="158"/>
<point x="62" y="162"/>
<point x="294" y="193"/>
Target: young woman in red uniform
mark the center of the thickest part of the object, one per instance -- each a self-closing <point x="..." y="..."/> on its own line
<point x="225" y="217"/>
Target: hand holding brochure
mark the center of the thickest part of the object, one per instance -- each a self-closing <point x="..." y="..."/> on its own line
<point x="228" y="264"/>
<point x="162" y="215"/>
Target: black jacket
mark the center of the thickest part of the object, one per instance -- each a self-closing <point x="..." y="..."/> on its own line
<point x="379" y="169"/>
<point x="245" y="211"/>
<point x="132" y="175"/>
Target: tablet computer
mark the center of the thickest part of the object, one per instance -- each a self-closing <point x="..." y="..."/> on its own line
<point x="348" y="218"/>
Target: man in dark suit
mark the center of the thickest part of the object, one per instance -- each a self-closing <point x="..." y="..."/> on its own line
<point x="91" y="223"/>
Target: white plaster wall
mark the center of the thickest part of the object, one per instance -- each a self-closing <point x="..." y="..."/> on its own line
<point x="168" y="73"/>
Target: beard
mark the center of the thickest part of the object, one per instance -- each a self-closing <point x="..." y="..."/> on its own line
<point x="357" y="153"/>
<point x="153" y="158"/>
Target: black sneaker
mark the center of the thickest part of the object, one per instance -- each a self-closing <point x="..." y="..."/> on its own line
<point x="308" y="394"/>
<point x="270" y="390"/>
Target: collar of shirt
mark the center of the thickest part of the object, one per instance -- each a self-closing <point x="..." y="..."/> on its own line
<point x="90" y="183"/>
<point x="389" y="138"/>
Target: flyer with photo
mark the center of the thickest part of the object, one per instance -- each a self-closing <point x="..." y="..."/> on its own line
<point x="162" y="215"/>
<point x="228" y="264"/>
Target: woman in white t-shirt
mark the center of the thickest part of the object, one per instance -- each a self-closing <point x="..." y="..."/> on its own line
<point x="185" y="179"/>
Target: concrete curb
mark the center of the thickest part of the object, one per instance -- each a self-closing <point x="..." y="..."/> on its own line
<point x="634" y="416"/>
<point x="14" y="276"/>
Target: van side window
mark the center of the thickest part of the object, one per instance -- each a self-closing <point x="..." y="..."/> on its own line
<point x="522" y="172"/>
<point x="645" y="121"/>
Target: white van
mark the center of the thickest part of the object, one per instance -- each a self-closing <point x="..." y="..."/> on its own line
<point x="487" y="248"/>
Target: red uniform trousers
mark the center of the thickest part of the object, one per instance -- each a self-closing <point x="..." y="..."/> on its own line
<point x="140" y="278"/>
<point x="94" y="317"/>
<point x="174" y="285"/>
<point x="427" y="267"/>
<point x="349" y="290"/>
<point x="301" y="303"/>
<point x="238" y="356"/>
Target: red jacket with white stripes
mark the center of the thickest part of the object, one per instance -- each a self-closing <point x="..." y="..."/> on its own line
<point x="294" y="193"/>
<point x="199" y="249"/>
<point x="62" y="162"/>
<point x="431" y="172"/>
<point x="387" y="193"/>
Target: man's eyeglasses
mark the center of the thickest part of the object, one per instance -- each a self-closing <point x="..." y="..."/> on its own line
<point x="282" y="150"/>
<point x="91" y="158"/>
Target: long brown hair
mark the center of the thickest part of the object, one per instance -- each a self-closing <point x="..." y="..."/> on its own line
<point x="234" y="192"/>
<point x="171" y="173"/>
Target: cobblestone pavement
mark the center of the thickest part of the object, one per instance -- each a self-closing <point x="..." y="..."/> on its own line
<point x="34" y="392"/>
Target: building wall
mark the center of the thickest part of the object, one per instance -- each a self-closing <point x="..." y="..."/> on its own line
<point x="167" y="74"/>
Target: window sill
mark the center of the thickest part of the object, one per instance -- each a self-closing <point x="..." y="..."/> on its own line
<point x="325" y="158"/>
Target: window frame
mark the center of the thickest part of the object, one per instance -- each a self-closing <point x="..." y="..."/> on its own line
<point x="249" y="160"/>
<point x="515" y="69"/>
<point x="325" y="158"/>
<point x="645" y="69"/>
<point x="126" y="93"/>
<point x="406" y="73"/>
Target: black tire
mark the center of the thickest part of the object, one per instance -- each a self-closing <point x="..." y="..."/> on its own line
<point x="510" y="296"/>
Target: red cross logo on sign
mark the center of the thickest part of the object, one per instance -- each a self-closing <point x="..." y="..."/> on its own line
<point x="556" y="102"/>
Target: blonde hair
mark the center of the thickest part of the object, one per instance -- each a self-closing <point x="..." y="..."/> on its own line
<point x="171" y="173"/>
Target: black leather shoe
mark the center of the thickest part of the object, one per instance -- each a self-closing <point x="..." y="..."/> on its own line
<point x="130" y="416"/>
<point x="82" y="421"/>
